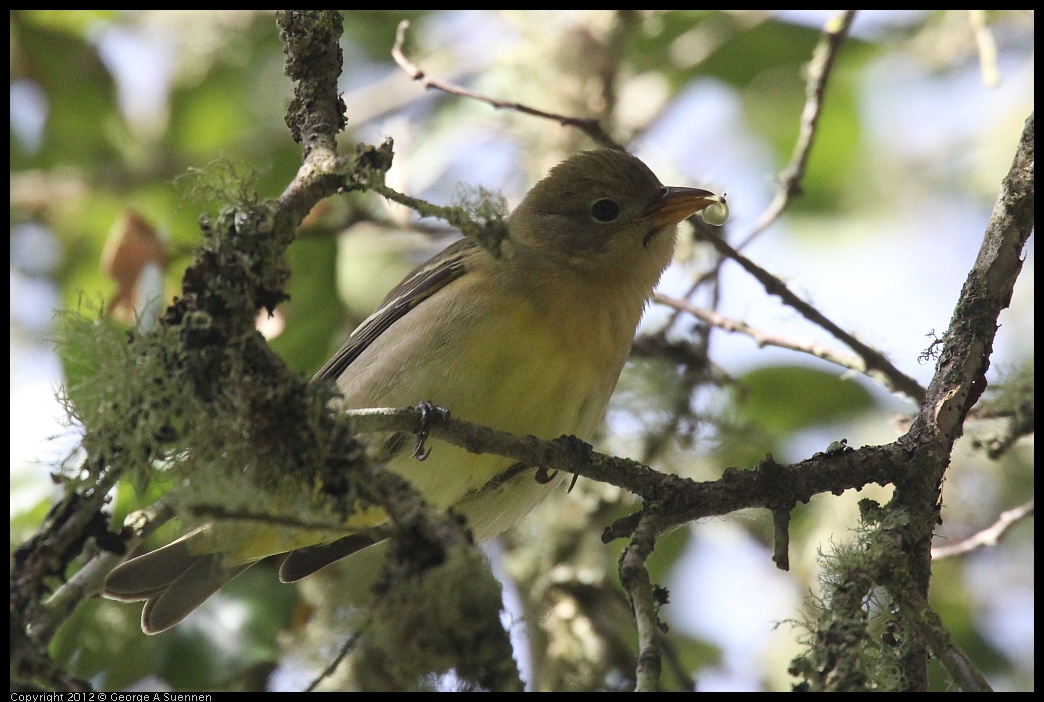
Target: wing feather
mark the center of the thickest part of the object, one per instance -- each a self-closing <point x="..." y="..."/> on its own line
<point x="425" y="280"/>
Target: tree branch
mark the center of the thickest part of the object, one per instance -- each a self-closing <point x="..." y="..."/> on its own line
<point x="987" y="537"/>
<point x="645" y="604"/>
<point x="763" y="338"/>
<point x="819" y="70"/>
<point x="874" y="363"/>
<point x="588" y="126"/>
<point x="960" y="376"/>
<point x="679" y="500"/>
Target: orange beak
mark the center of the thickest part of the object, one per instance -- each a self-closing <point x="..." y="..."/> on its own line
<point x="678" y="203"/>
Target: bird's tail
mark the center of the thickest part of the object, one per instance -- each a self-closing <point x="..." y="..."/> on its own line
<point x="173" y="580"/>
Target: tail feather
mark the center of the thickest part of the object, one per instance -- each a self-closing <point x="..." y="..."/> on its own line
<point x="176" y="579"/>
<point x="146" y="576"/>
<point x="191" y="589"/>
<point x="305" y="561"/>
<point x="173" y="580"/>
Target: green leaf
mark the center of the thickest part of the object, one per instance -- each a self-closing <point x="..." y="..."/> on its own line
<point x="783" y="399"/>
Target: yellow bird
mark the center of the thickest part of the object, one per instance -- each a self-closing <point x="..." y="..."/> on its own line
<point x="530" y="343"/>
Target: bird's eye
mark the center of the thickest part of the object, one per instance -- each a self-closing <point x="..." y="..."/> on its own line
<point x="605" y="210"/>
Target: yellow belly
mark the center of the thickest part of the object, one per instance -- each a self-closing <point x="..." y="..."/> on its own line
<point x="497" y="361"/>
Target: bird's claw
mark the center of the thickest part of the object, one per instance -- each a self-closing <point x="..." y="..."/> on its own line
<point x="428" y="411"/>
<point x="580" y="449"/>
<point x="543" y="476"/>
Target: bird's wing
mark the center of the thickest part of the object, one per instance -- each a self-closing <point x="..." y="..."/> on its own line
<point x="425" y="280"/>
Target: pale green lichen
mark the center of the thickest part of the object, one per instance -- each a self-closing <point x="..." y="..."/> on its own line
<point x="855" y="637"/>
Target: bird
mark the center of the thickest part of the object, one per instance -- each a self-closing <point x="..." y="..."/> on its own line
<point x="531" y="342"/>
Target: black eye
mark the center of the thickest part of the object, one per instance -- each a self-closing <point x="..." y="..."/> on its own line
<point x="605" y="210"/>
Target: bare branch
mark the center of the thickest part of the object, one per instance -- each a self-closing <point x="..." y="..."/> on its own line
<point x="986" y="46"/>
<point x="989" y="536"/>
<point x="875" y="364"/>
<point x="789" y="180"/>
<point x="588" y="126"/>
<point x="346" y="648"/>
<point x="819" y="68"/>
<point x="644" y="603"/>
<point x="763" y="338"/>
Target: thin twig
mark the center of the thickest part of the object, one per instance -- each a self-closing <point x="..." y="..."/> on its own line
<point x="876" y="365"/>
<point x="763" y="338"/>
<point x="347" y="648"/>
<point x="675" y="665"/>
<point x="88" y="581"/>
<point x="989" y="536"/>
<point x="789" y="180"/>
<point x="489" y="233"/>
<point x="819" y="69"/>
<point x="987" y="48"/>
<point x="590" y="127"/>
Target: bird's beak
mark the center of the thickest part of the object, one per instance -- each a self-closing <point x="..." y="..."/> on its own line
<point x="678" y="203"/>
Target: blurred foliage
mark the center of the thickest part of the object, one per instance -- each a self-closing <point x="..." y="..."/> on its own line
<point x="783" y="400"/>
<point x="110" y="109"/>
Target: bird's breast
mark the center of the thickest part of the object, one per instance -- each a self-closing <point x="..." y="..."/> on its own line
<point x="497" y="357"/>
